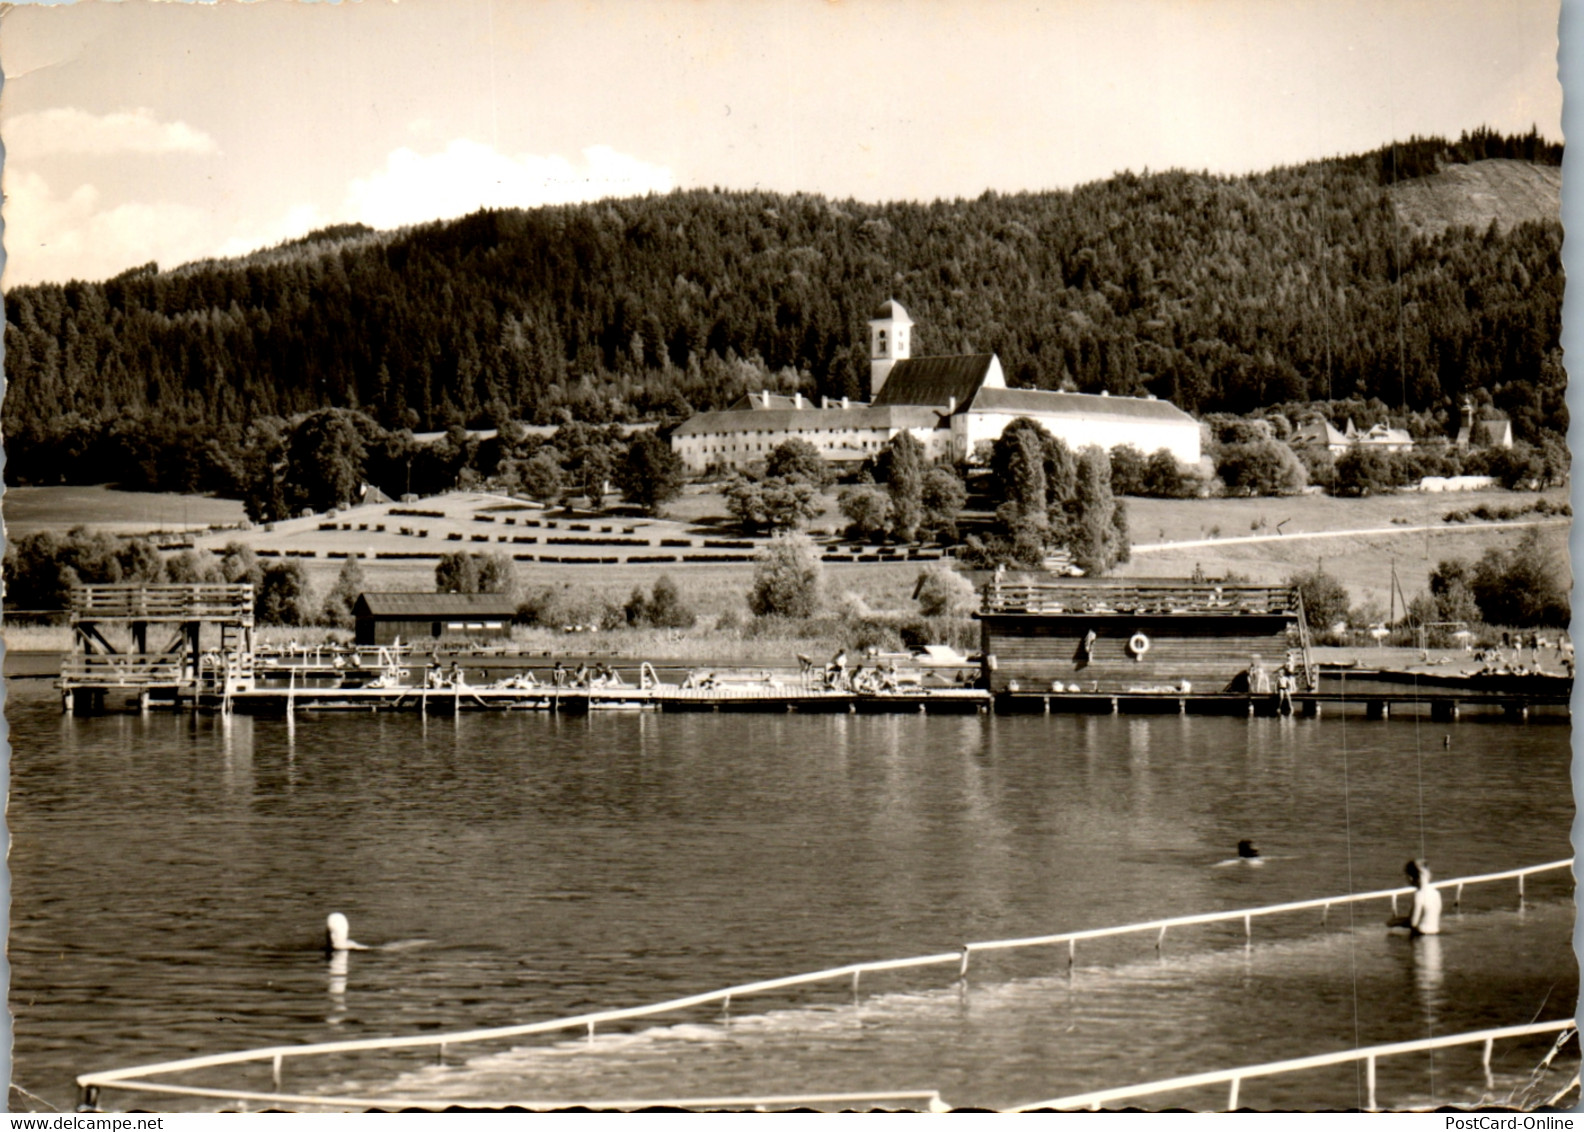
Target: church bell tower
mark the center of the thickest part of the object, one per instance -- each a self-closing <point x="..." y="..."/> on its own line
<point x="889" y="342"/>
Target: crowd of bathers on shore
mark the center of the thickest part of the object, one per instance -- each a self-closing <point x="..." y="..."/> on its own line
<point x="1508" y="658"/>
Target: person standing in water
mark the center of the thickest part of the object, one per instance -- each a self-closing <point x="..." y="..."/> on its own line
<point x="1425" y="916"/>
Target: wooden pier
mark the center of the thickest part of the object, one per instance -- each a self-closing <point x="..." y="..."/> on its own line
<point x="582" y="701"/>
<point x="1094" y="648"/>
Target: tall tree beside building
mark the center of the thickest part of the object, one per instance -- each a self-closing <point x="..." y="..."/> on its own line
<point x="336" y="611"/>
<point x="496" y="573"/>
<point x="651" y="474"/>
<point x="1096" y="543"/>
<point x="905" y="484"/>
<point x="943" y="498"/>
<point x="1018" y="461"/>
<point x="284" y="596"/>
<point x="457" y="573"/>
<point x="1325" y="599"/>
<point x="797" y="459"/>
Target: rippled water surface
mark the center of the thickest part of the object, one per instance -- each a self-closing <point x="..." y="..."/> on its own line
<point x="171" y="874"/>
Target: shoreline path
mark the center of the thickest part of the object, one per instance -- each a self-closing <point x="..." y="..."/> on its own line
<point x="1188" y="544"/>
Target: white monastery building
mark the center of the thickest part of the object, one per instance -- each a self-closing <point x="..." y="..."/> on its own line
<point x="950" y="404"/>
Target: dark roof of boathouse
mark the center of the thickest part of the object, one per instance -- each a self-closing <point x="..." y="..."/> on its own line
<point x="420" y="606"/>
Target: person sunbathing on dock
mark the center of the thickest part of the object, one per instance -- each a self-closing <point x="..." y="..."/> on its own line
<point x="888" y="678"/>
<point x="1425" y="916"/>
<point x="699" y="678"/>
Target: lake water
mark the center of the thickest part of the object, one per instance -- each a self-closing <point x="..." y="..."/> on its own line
<point x="171" y="875"/>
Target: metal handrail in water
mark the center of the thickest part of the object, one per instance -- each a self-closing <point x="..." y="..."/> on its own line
<point x="1369" y="1055"/>
<point x="134" y="1077"/>
<point x="1247" y="915"/>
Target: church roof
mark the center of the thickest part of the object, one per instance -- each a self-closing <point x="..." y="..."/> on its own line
<point x="1075" y="404"/>
<point x="807" y="420"/>
<point x="935" y="381"/>
<point x="891" y="309"/>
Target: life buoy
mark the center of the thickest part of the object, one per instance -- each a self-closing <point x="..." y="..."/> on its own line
<point x="1138" y="645"/>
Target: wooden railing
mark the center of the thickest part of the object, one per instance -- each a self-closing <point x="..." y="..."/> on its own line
<point x="1369" y="1055"/>
<point x="198" y="601"/>
<point x="1166" y="595"/>
<point x="139" y="1078"/>
<point x="130" y="670"/>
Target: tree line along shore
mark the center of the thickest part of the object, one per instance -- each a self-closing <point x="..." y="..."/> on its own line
<point x="783" y="596"/>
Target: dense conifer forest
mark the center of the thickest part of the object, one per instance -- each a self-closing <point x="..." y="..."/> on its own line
<point x="1223" y="294"/>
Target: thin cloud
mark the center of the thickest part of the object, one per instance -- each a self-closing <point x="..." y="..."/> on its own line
<point x="67" y="130"/>
<point x="413" y="188"/>
<point x="51" y="236"/>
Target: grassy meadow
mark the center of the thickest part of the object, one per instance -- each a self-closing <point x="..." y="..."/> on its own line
<point x="1293" y="534"/>
<point x="29" y="509"/>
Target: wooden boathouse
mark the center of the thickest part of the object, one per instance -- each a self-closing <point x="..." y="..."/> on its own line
<point x="1141" y="636"/>
<point x="382" y="618"/>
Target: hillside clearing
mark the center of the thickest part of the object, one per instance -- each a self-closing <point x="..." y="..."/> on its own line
<point x="1501" y="190"/>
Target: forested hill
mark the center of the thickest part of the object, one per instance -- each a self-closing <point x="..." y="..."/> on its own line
<point x="1220" y="293"/>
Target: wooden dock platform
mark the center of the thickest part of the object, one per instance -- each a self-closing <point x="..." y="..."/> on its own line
<point x="582" y="701"/>
<point x="1439" y="702"/>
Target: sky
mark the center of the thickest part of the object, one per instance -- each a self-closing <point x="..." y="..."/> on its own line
<point x="138" y="131"/>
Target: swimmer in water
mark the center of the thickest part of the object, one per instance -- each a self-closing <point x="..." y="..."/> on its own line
<point x="338" y="935"/>
<point x="1425" y="916"/>
<point x="1247" y="854"/>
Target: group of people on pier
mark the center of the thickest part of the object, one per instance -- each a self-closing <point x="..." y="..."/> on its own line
<point x="872" y="678"/>
<point x="1257" y="680"/>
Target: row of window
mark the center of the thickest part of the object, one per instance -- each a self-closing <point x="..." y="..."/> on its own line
<point x="767" y="446"/>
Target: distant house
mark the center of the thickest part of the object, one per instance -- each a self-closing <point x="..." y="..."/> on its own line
<point x="383" y="617"/>
<point x="1483" y="432"/>
<point x="1380" y="438"/>
<point x="951" y="404"/>
<point x="1320" y="433"/>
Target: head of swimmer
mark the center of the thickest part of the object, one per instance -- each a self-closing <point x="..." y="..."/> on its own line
<point x="338" y="935"/>
<point x="1247" y="849"/>
<point x="1418" y="872"/>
